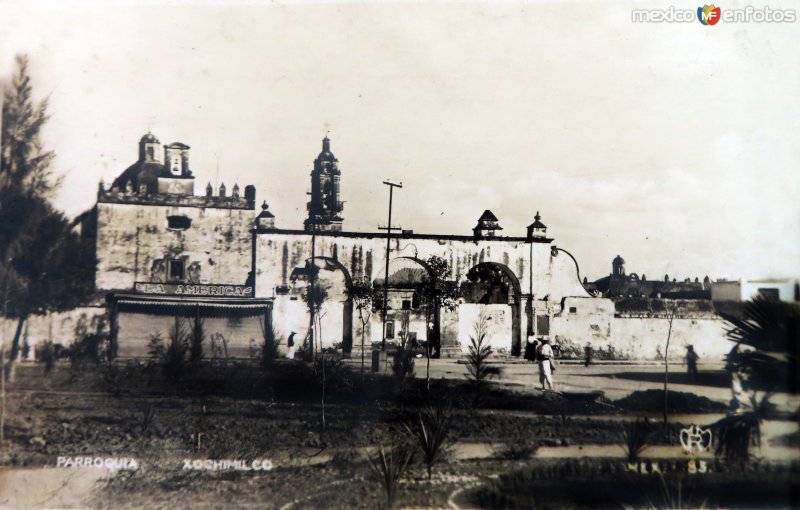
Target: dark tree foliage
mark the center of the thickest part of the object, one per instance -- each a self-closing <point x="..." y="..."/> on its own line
<point x="25" y="164"/>
<point x="764" y="356"/>
<point x="766" y="340"/>
<point x="44" y="265"/>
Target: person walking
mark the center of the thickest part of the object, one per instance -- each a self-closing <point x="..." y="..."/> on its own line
<point x="691" y="363"/>
<point x="544" y="353"/>
<point x="587" y="351"/>
<point x="290" y="345"/>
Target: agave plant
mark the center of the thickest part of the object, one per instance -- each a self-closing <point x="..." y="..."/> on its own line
<point x="635" y="436"/>
<point x="388" y="466"/>
<point x="431" y="433"/>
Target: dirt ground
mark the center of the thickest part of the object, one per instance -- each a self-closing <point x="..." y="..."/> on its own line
<point x="243" y="413"/>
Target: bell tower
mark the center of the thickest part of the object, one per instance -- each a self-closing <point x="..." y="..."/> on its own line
<point x="325" y="207"/>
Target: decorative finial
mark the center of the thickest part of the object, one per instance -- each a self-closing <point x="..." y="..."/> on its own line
<point x="537" y="217"/>
<point x="264" y="206"/>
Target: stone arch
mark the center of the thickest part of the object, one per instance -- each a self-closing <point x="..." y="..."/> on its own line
<point x="347" y="303"/>
<point x="406" y="273"/>
<point x="494" y="283"/>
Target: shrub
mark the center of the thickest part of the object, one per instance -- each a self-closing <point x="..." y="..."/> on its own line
<point x="403" y="356"/>
<point x="635" y="436"/>
<point x="173" y="356"/>
<point x="197" y="336"/>
<point x="46" y="354"/>
<point x="388" y="466"/>
<point x="521" y="450"/>
<point x="431" y="433"/>
<point x="269" y="347"/>
<point x="479" y="352"/>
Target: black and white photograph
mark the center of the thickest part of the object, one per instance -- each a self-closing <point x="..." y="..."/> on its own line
<point x="406" y="254"/>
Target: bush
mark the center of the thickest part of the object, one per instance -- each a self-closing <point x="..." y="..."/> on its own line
<point x="197" y="337"/>
<point x="478" y="368"/>
<point x="389" y="465"/>
<point x="173" y="356"/>
<point x="635" y="436"/>
<point x="431" y="433"/>
<point x="46" y="354"/>
<point x="403" y="356"/>
<point x="269" y="347"/>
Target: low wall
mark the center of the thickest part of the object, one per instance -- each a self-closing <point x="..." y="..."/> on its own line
<point x="632" y="336"/>
<point x="58" y="327"/>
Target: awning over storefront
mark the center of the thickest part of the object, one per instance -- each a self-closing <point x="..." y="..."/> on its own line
<point x="189" y="306"/>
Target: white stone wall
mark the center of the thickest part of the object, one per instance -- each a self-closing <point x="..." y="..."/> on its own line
<point x="633" y="337"/>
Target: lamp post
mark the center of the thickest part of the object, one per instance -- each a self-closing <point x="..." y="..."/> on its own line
<point x="391" y="185"/>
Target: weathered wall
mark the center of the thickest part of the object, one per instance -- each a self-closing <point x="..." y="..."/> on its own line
<point x="58" y="327"/>
<point x="498" y="326"/>
<point x="278" y="252"/>
<point x="133" y="242"/>
<point x="636" y="337"/>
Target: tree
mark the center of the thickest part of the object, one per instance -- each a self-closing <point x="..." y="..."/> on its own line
<point x="478" y="368"/>
<point x="670" y="318"/>
<point x="403" y="364"/>
<point x="44" y="265"/>
<point x="436" y="291"/>
<point x="361" y="292"/>
<point x="764" y="357"/>
<point x="24" y="164"/>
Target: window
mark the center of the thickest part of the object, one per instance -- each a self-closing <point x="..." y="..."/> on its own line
<point x="178" y="222"/>
<point x="542" y="325"/>
<point x="389" y="329"/>
<point x="573" y="309"/>
<point x="176" y="270"/>
<point x="770" y="294"/>
<point x="406" y="304"/>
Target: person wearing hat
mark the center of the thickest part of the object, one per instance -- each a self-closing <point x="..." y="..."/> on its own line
<point x="544" y="353"/>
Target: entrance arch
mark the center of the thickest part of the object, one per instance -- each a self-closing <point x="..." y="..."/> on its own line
<point x="492" y="283"/>
<point x="406" y="274"/>
<point x="337" y="292"/>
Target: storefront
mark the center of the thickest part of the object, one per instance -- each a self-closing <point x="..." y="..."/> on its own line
<point x="233" y="321"/>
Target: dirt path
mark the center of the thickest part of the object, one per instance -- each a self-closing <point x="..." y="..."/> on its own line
<point x="48" y="487"/>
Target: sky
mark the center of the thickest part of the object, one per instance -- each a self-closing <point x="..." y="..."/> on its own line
<point x="671" y="144"/>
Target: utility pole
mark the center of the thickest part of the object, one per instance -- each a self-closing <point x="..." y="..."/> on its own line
<point x="392" y="186"/>
<point x="312" y="295"/>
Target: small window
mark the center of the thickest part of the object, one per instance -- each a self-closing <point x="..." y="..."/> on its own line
<point x="389" y="329"/>
<point x="176" y="270"/>
<point x="406" y="304"/>
<point x="542" y="325"/>
<point x="178" y="222"/>
<point x="770" y="294"/>
<point x="573" y="309"/>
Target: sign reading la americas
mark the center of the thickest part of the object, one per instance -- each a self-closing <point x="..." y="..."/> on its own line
<point x="194" y="289"/>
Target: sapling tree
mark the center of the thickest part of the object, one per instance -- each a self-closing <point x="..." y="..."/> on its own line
<point x="478" y="367"/>
<point x="436" y="291"/>
<point x="362" y="292"/>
